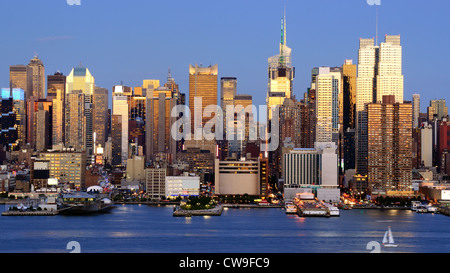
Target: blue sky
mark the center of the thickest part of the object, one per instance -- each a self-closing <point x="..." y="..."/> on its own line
<point x="139" y="39"/>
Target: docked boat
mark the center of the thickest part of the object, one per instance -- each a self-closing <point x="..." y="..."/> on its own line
<point x="290" y="208"/>
<point x="333" y="210"/>
<point x="388" y="239"/>
<point x="84" y="203"/>
<point x="427" y="209"/>
<point x="415" y="205"/>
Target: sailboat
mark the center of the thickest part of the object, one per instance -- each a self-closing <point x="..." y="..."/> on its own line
<point x="388" y="239"/>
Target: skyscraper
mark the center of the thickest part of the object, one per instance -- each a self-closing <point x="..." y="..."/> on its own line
<point x="75" y="121"/>
<point x="100" y="115"/>
<point x="8" y="124"/>
<point x="56" y="92"/>
<point x="389" y="146"/>
<point x="379" y="71"/>
<point x="202" y="84"/>
<point x="389" y="76"/>
<point x="81" y="79"/>
<point x="328" y="85"/>
<point x="120" y="107"/>
<point x="38" y="78"/>
<point x="20" y="76"/>
<point x="281" y="74"/>
<point x="437" y="109"/>
<point x="416" y="110"/>
<point x="228" y="90"/>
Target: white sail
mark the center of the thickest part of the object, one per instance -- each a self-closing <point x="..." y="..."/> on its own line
<point x="391" y="238"/>
<point x="385" y="238"/>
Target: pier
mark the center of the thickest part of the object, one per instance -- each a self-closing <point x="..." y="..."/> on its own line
<point x="217" y="211"/>
<point x="29" y="213"/>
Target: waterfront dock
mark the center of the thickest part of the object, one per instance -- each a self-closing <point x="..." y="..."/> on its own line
<point x="29" y="213"/>
<point x="217" y="211"/>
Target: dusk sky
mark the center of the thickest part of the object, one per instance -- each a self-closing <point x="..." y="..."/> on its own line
<point x="134" y="40"/>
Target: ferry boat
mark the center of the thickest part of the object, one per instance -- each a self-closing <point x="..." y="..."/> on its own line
<point x="333" y="210"/>
<point x="290" y="208"/>
<point x="84" y="203"/>
<point x="427" y="209"/>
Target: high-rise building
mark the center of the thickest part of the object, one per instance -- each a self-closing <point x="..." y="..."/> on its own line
<point x="291" y="121"/>
<point x="437" y="109"/>
<point x="426" y="145"/>
<point x="240" y="137"/>
<point x="55" y="83"/>
<point x="38" y="78"/>
<point x="120" y="107"/>
<point x="281" y="74"/>
<point x="75" y="121"/>
<point x="159" y="141"/>
<point x="56" y="92"/>
<point x="202" y="84"/>
<point x="366" y="82"/>
<point x="416" y="110"/>
<point x="19" y="109"/>
<point x="379" y="71"/>
<point x="20" y="76"/>
<point x="100" y="115"/>
<point x="155" y="181"/>
<point x="389" y="147"/>
<point x="328" y="86"/>
<point x="33" y="106"/>
<point x="43" y="133"/>
<point x="348" y="104"/>
<point x="228" y="90"/>
<point x="80" y="78"/>
<point x="389" y="76"/>
<point x="8" y="125"/>
<point x="116" y="140"/>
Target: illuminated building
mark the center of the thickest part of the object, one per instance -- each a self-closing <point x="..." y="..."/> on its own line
<point x="437" y="109"/>
<point x="38" y="78"/>
<point x="75" y="121"/>
<point x="67" y="166"/>
<point x="389" y="160"/>
<point x="155" y="183"/>
<point x="100" y="115"/>
<point x="43" y="132"/>
<point x="81" y="79"/>
<point x="281" y="74"/>
<point x="116" y="140"/>
<point x="56" y="92"/>
<point x="243" y="176"/>
<point x="120" y="107"/>
<point x="33" y="106"/>
<point x="228" y="90"/>
<point x="416" y="110"/>
<point x="202" y="84"/>
<point x="19" y="109"/>
<point x="8" y="133"/>
<point x="20" y="76"/>
<point x="183" y="186"/>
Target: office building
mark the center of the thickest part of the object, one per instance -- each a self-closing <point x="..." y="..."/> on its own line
<point x="155" y="183"/>
<point x="243" y="176"/>
<point x="426" y="145"/>
<point x="75" y="121"/>
<point x="306" y="167"/>
<point x="38" y="78"/>
<point x="8" y="124"/>
<point x="437" y="109"/>
<point x="202" y="84"/>
<point x="416" y="110"/>
<point x="100" y="115"/>
<point x="56" y="92"/>
<point x="328" y="86"/>
<point x="81" y="79"/>
<point x="281" y="74"/>
<point x="67" y="166"/>
<point x="228" y="90"/>
<point x="20" y="76"/>
<point x="120" y="107"/>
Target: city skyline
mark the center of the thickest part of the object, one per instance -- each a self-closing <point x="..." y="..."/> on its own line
<point x="235" y="36"/>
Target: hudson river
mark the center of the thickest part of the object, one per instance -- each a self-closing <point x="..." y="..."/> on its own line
<point x="151" y="229"/>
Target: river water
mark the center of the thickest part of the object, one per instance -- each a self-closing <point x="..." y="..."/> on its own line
<point x="152" y="229"/>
